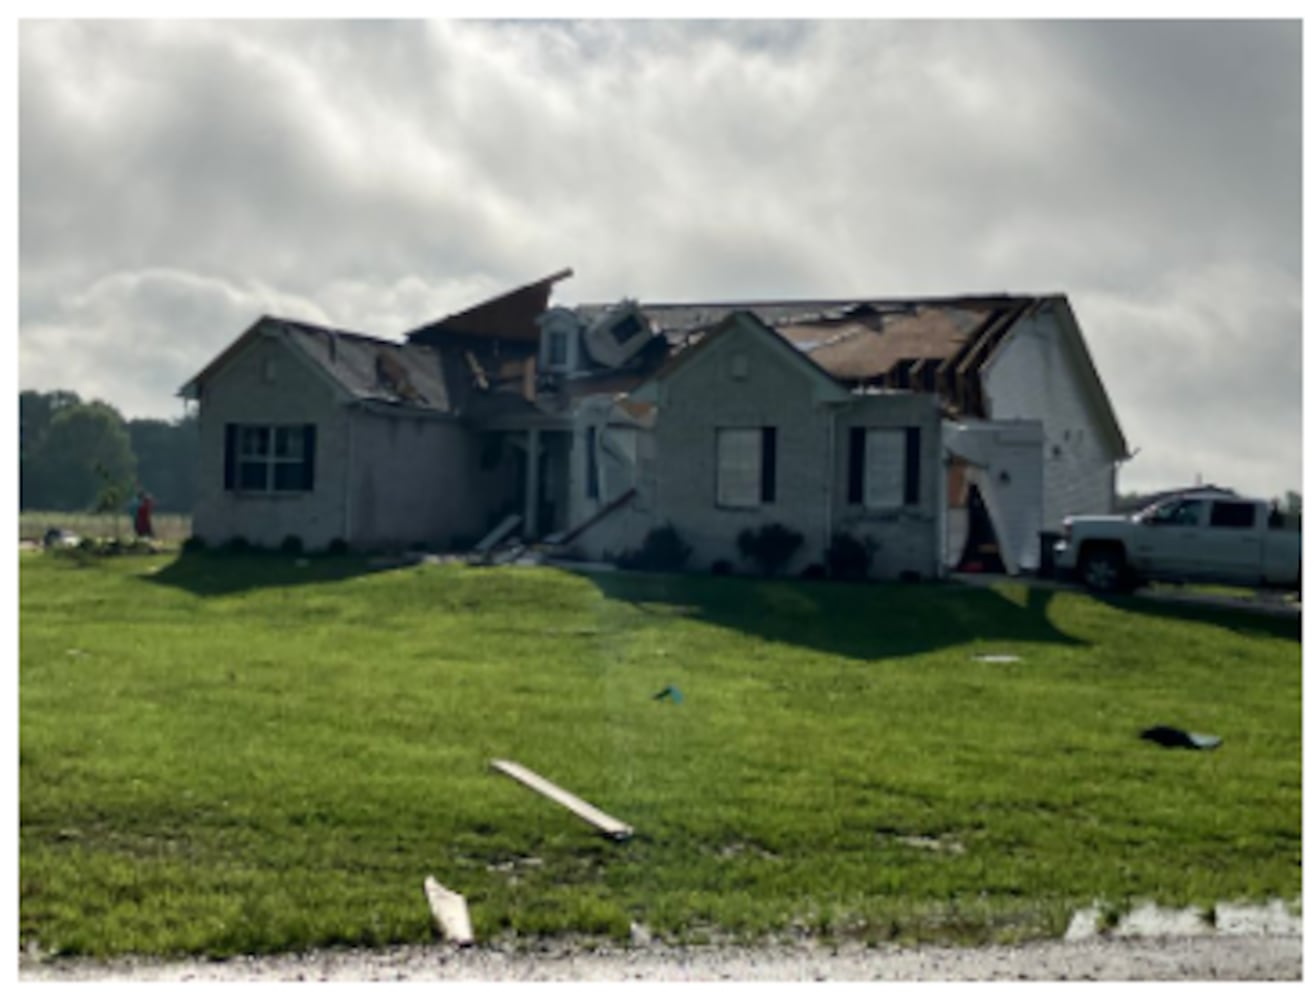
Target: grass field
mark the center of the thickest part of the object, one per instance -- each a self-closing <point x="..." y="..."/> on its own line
<point x="33" y="525"/>
<point x="223" y="754"/>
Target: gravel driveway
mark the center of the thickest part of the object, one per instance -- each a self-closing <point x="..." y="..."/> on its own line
<point x="1253" y="957"/>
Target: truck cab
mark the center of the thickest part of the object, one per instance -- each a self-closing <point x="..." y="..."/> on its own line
<point x="1192" y="537"/>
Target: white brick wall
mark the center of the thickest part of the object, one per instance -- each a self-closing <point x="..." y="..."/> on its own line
<point x="268" y="384"/>
<point x="811" y="458"/>
<point x="1034" y="377"/>
<point x="410" y="479"/>
<point x="418" y="479"/>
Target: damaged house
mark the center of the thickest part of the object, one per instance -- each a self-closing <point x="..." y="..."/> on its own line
<point x="947" y="431"/>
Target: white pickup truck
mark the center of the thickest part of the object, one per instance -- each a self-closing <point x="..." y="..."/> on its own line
<point x="1212" y="537"/>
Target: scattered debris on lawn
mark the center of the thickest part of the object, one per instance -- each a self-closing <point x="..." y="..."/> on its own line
<point x="942" y="845"/>
<point x="738" y="848"/>
<point x="1171" y="736"/>
<point x="58" y="538"/>
<point x="484" y="547"/>
<point x="996" y="658"/>
<point x="506" y="556"/>
<point x="68" y="544"/>
<point x="609" y="825"/>
<point x="1150" y="920"/>
<point x="640" y="936"/>
<point x="507" y="867"/>
<point x="450" y="914"/>
<point x="571" y="534"/>
<point x="670" y="691"/>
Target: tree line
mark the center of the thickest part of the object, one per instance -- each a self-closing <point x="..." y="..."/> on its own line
<point x="78" y="455"/>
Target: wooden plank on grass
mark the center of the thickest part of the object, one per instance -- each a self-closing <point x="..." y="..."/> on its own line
<point x="449" y="912"/>
<point x="609" y="825"/>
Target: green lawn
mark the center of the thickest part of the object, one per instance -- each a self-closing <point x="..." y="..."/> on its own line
<point x="223" y="754"/>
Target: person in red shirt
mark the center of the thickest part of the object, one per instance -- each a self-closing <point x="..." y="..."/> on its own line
<point x="141" y="520"/>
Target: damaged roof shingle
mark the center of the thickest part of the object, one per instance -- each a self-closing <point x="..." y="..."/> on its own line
<point x="374" y="370"/>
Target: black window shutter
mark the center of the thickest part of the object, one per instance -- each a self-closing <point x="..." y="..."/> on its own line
<point x="857" y="462"/>
<point x="308" y="442"/>
<point x="912" y="465"/>
<point x="768" y="465"/>
<point x="591" y="463"/>
<point x="230" y="456"/>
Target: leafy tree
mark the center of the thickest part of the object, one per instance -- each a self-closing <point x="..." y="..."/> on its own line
<point x="112" y="496"/>
<point x="84" y="461"/>
<point x="166" y="460"/>
<point x="61" y="468"/>
<point x="35" y="411"/>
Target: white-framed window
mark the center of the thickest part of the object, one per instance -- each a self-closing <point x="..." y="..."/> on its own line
<point x="269" y="458"/>
<point x="884" y="462"/>
<point x="745" y="466"/>
<point x="884" y="467"/>
<point x="558" y="350"/>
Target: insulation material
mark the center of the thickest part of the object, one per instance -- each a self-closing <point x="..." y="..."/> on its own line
<point x="1007" y="468"/>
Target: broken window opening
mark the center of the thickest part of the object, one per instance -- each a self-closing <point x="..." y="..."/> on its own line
<point x="627" y="329"/>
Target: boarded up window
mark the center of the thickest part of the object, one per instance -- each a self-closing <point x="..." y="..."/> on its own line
<point x="884" y="466"/>
<point x="739" y="467"/>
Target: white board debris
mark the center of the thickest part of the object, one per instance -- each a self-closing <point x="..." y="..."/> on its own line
<point x="609" y="825"/>
<point x="490" y="540"/>
<point x="449" y="912"/>
<point x="996" y="658"/>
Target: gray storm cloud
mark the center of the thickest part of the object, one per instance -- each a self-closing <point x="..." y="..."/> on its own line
<point x="179" y="178"/>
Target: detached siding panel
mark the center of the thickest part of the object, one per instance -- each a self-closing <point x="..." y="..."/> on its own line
<point x="1034" y="377"/>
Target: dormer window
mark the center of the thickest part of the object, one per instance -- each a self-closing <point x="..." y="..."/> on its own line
<point x="558" y="349"/>
<point x="559" y="345"/>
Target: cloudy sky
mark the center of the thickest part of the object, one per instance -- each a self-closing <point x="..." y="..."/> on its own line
<point x="178" y="179"/>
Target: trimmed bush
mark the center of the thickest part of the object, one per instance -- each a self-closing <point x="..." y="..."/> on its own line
<point x="849" y="558"/>
<point x="337" y="547"/>
<point x="723" y="567"/>
<point x="662" y="551"/>
<point x="769" y="547"/>
<point x="292" y="546"/>
<point x="194" y="544"/>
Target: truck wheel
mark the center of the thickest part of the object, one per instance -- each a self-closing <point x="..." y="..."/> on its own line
<point x="1103" y="570"/>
